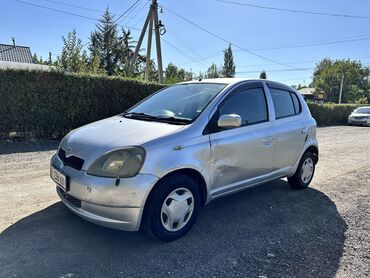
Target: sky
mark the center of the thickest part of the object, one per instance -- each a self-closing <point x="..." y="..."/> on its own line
<point x="287" y="45"/>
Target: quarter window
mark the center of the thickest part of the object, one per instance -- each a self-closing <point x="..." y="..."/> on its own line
<point x="249" y="104"/>
<point x="285" y="103"/>
<point x="297" y="104"/>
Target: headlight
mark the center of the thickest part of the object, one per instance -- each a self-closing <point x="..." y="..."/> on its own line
<point x="122" y="163"/>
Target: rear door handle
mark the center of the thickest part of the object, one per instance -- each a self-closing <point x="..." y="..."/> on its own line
<point x="268" y="140"/>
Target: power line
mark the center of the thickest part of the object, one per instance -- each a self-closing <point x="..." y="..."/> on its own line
<point x="138" y="12"/>
<point x="140" y="20"/>
<point x="77" y="7"/>
<point x="293" y="10"/>
<point x="311" y="44"/>
<point x="201" y="58"/>
<point x="229" y="42"/>
<point x="55" y="10"/>
<point x="183" y="43"/>
<point x="297" y="45"/>
<point x="291" y="79"/>
<point x="275" y="70"/>
<point x="125" y="12"/>
<point x="179" y="50"/>
<point x="69" y="13"/>
<point x="74" y="6"/>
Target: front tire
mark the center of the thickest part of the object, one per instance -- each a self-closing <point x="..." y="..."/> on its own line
<point x="304" y="173"/>
<point x="172" y="208"/>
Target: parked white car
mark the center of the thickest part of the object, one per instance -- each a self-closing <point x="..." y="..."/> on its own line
<point x="158" y="163"/>
<point x="360" y="116"/>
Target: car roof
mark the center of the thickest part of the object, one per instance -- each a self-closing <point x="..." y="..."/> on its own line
<point x="231" y="81"/>
<point x="222" y="80"/>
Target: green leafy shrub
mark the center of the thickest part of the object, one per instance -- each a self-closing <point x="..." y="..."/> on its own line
<point x="45" y="104"/>
<point x="331" y="114"/>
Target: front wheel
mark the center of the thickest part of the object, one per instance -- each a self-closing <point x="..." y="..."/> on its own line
<point x="304" y="173"/>
<point x="172" y="208"/>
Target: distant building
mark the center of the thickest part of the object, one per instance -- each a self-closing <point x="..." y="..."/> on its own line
<point x="13" y="53"/>
<point x="18" y="57"/>
<point x="312" y="94"/>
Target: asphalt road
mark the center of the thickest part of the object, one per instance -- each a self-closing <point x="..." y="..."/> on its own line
<point x="268" y="231"/>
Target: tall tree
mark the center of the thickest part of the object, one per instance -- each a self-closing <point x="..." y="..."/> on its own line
<point x="104" y="43"/>
<point x="174" y="74"/>
<point x="263" y="75"/>
<point x="72" y="58"/>
<point x="213" y="71"/>
<point x="328" y="75"/>
<point x="125" y="51"/>
<point x="228" y="69"/>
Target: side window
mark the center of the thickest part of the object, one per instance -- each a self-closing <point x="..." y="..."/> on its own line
<point x="296" y="102"/>
<point x="249" y="104"/>
<point x="283" y="103"/>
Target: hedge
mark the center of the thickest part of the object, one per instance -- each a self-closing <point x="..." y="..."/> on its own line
<point x="331" y="114"/>
<point x="48" y="104"/>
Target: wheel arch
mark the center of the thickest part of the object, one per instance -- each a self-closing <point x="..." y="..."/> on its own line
<point x="315" y="150"/>
<point x="192" y="173"/>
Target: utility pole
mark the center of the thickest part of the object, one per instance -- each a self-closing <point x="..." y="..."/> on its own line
<point x="149" y="47"/>
<point x="150" y="19"/>
<point x="341" y="89"/>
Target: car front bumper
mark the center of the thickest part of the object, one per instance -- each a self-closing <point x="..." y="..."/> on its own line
<point x="101" y="201"/>
<point x="359" y="121"/>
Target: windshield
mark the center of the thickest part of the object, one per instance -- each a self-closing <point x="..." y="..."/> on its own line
<point x="362" y="110"/>
<point x="178" y="102"/>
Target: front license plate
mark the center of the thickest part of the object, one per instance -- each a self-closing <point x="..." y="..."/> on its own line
<point x="59" y="178"/>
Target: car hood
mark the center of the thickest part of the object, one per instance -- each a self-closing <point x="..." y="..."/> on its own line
<point x="91" y="141"/>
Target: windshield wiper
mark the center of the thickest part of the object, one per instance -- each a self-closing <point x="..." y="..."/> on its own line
<point x="173" y="120"/>
<point x="136" y="115"/>
<point x="143" y="116"/>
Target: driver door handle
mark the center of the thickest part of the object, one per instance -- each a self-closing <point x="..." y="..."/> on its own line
<point x="268" y="140"/>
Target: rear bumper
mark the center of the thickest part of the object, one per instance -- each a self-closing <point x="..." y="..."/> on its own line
<point x="100" y="201"/>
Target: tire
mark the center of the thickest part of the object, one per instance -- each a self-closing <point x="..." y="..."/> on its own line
<point x="302" y="180"/>
<point x="171" y="199"/>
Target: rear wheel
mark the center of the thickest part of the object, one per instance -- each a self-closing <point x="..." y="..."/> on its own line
<point x="304" y="173"/>
<point x="172" y="208"/>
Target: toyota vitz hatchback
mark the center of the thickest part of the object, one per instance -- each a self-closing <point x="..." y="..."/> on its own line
<point x="155" y="165"/>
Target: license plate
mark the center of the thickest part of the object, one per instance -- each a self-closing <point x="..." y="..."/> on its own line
<point x="59" y="178"/>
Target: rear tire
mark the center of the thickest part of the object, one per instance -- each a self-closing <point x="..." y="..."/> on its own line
<point x="172" y="208"/>
<point x="304" y="173"/>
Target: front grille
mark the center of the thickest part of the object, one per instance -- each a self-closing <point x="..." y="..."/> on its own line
<point x="70" y="199"/>
<point x="359" y="117"/>
<point x="71" y="161"/>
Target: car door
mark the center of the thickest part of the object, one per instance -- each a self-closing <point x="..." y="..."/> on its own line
<point x="291" y="127"/>
<point x="241" y="155"/>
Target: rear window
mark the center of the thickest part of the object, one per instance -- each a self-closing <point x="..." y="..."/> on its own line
<point x="286" y="103"/>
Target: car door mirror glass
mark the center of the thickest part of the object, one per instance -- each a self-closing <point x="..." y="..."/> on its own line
<point x="229" y="121"/>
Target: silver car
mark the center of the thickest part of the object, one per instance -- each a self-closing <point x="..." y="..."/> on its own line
<point x="155" y="165"/>
<point x="361" y="116"/>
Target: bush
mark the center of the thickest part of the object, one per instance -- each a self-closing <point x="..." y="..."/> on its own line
<point x="45" y="104"/>
<point x="331" y="114"/>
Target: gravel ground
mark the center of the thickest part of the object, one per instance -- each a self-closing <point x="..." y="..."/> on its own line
<point x="267" y="231"/>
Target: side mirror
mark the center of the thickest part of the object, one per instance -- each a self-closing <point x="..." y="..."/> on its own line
<point x="229" y="120"/>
